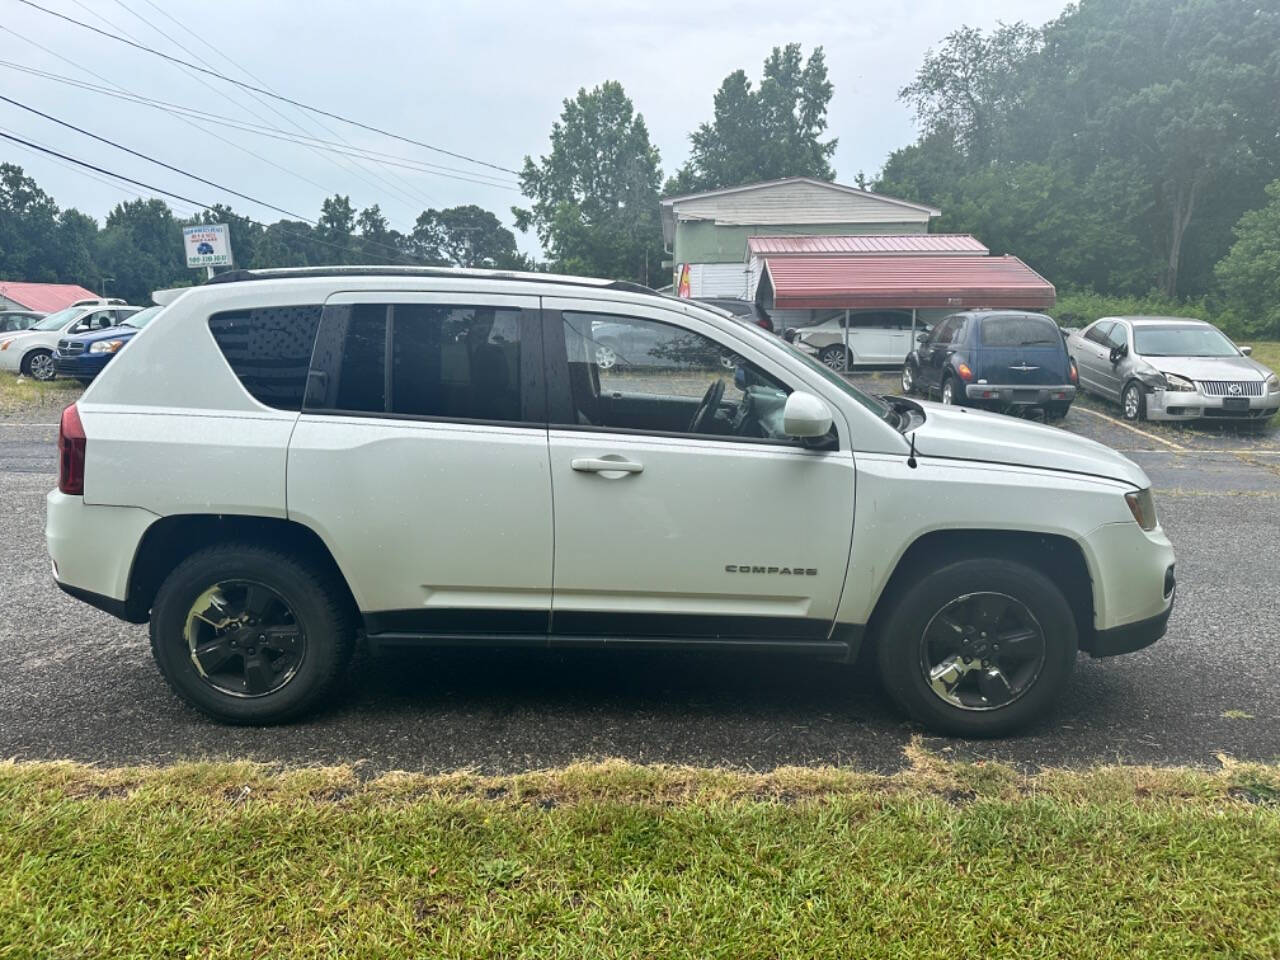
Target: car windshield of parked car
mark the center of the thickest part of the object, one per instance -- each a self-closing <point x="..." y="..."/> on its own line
<point x="141" y="318"/>
<point x="55" y="321"/>
<point x="1023" y="331"/>
<point x="1183" y="341"/>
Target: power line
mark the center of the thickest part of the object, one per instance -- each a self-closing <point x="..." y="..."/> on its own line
<point x="262" y="90"/>
<point x="150" y="159"/>
<point x="274" y="133"/>
<point x="176" y="196"/>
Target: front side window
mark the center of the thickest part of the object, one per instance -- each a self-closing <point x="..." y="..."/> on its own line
<point x="268" y="349"/>
<point x="631" y="373"/>
<point x="1119" y="336"/>
<point x="1098" y="332"/>
<point x="420" y="360"/>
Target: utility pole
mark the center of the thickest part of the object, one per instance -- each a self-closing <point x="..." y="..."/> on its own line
<point x="102" y="286"/>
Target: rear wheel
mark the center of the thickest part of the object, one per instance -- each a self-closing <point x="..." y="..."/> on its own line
<point x="978" y="647"/>
<point x="834" y="357"/>
<point x="250" y="635"/>
<point x="949" y="394"/>
<point x="38" y="365"/>
<point x="1133" y="401"/>
<point x="606" y="356"/>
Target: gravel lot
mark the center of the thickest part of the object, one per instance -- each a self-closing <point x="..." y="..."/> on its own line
<point x="77" y="684"/>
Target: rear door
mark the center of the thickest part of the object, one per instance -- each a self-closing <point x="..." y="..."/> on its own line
<point x="935" y="351"/>
<point x="1091" y="355"/>
<point x="421" y="459"/>
<point x="675" y="519"/>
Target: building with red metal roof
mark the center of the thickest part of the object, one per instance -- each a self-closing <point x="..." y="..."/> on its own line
<point x="42" y="297"/>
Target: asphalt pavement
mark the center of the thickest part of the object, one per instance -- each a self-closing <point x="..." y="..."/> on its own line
<point x="75" y="683"/>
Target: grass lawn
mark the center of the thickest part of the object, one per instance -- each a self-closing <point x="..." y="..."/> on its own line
<point x="19" y="394"/>
<point x="624" y="861"/>
<point x="1266" y="351"/>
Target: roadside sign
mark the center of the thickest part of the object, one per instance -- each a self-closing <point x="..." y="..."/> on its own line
<point x="207" y="245"/>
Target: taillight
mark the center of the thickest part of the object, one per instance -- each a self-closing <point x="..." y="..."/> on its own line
<point x="964" y="371"/>
<point x="71" y="444"/>
<point x="1072" y="373"/>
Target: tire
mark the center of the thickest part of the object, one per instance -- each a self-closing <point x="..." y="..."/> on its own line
<point x="38" y="365"/>
<point x="1056" y="412"/>
<point x="928" y="611"/>
<point x="316" y="603"/>
<point x="833" y="357"/>
<point x="606" y="356"/>
<point x="908" y="379"/>
<point x="948" y="392"/>
<point x="1133" y="402"/>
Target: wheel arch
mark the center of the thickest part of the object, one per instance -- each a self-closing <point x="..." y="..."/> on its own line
<point x="1058" y="557"/>
<point x="172" y="539"/>
<point x="31" y="352"/>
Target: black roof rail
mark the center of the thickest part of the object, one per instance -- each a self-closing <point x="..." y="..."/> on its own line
<point x="287" y="273"/>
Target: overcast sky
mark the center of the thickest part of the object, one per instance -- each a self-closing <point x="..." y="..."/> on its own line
<point x="485" y="80"/>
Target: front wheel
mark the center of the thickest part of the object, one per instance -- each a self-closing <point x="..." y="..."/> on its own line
<point x="38" y="365"/>
<point x="834" y="357"/>
<point x="1133" y="402"/>
<point x="606" y="356"/>
<point x="251" y="635"/>
<point x="908" y="379"/>
<point x="978" y="647"/>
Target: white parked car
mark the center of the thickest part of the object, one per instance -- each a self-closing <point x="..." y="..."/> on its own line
<point x="30" y="352"/>
<point x="875" y="337"/>
<point x="292" y="458"/>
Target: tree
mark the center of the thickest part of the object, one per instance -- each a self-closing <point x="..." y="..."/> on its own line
<point x="595" y="196"/>
<point x="764" y="134"/>
<point x="141" y="248"/>
<point x="466" y="236"/>
<point x="1250" y="273"/>
<point x="336" y="228"/>
<point x="28" y="228"/>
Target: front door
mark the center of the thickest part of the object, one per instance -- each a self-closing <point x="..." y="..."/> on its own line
<point x="681" y="509"/>
<point x="420" y="458"/>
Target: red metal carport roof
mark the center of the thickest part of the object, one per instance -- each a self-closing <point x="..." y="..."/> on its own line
<point x="902" y="244"/>
<point x="947" y="281"/>
<point x="45" y="297"/>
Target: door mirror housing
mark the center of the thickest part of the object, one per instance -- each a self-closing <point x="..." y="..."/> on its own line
<point x="805" y="415"/>
<point x="1247" y="351"/>
<point x="1119" y="353"/>
<point x="789" y="334"/>
<point x="922" y="336"/>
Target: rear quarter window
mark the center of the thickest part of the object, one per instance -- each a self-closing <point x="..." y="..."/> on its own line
<point x="269" y="350"/>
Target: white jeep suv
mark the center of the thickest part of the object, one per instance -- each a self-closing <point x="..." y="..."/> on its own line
<point x="297" y="458"/>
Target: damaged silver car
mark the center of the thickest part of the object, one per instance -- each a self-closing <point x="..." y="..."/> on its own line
<point x="1172" y="368"/>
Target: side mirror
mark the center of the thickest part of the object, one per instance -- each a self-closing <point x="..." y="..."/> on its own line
<point x="789" y="334"/>
<point x="922" y="336"/>
<point x="804" y="415"/>
<point x="1247" y="351"/>
<point x="1119" y="353"/>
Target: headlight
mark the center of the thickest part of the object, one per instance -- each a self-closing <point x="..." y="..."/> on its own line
<point x="1143" y="507"/>
<point x="106" y="346"/>
<point x="1273" y="384"/>
<point x="1174" y="382"/>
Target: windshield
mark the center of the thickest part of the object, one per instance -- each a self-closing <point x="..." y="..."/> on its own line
<point x="141" y="318"/>
<point x="55" y="320"/>
<point x="1183" y="341"/>
<point x="1019" y="331"/>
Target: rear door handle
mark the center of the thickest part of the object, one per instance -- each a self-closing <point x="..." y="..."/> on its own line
<point x="605" y="465"/>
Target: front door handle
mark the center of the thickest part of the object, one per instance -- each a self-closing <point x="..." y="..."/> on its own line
<point x="606" y="464"/>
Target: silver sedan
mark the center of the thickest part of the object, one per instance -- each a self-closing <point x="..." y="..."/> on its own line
<point x="1171" y="368"/>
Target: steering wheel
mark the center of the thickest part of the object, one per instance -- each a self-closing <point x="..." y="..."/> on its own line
<point x="707" y="406"/>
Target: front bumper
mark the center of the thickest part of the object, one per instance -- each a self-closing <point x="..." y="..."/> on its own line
<point x="1020" y="395"/>
<point x="82" y="366"/>
<point x="1194" y="405"/>
<point x="1133" y="587"/>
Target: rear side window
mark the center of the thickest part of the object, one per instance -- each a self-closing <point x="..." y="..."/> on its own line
<point x="269" y="349"/>
<point x="420" y="360"/>
<point x="1019" y="332"/>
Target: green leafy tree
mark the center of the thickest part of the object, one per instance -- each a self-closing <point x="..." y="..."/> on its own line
<point x="28" y="228"/>
<point x="466" y="236"/>
<point x="336" y="231"/>
<point x="767" y="133"/>
<point x="595" y="195"/>
<point x="140" y="246"/>
<point x="1250" y="273"/>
